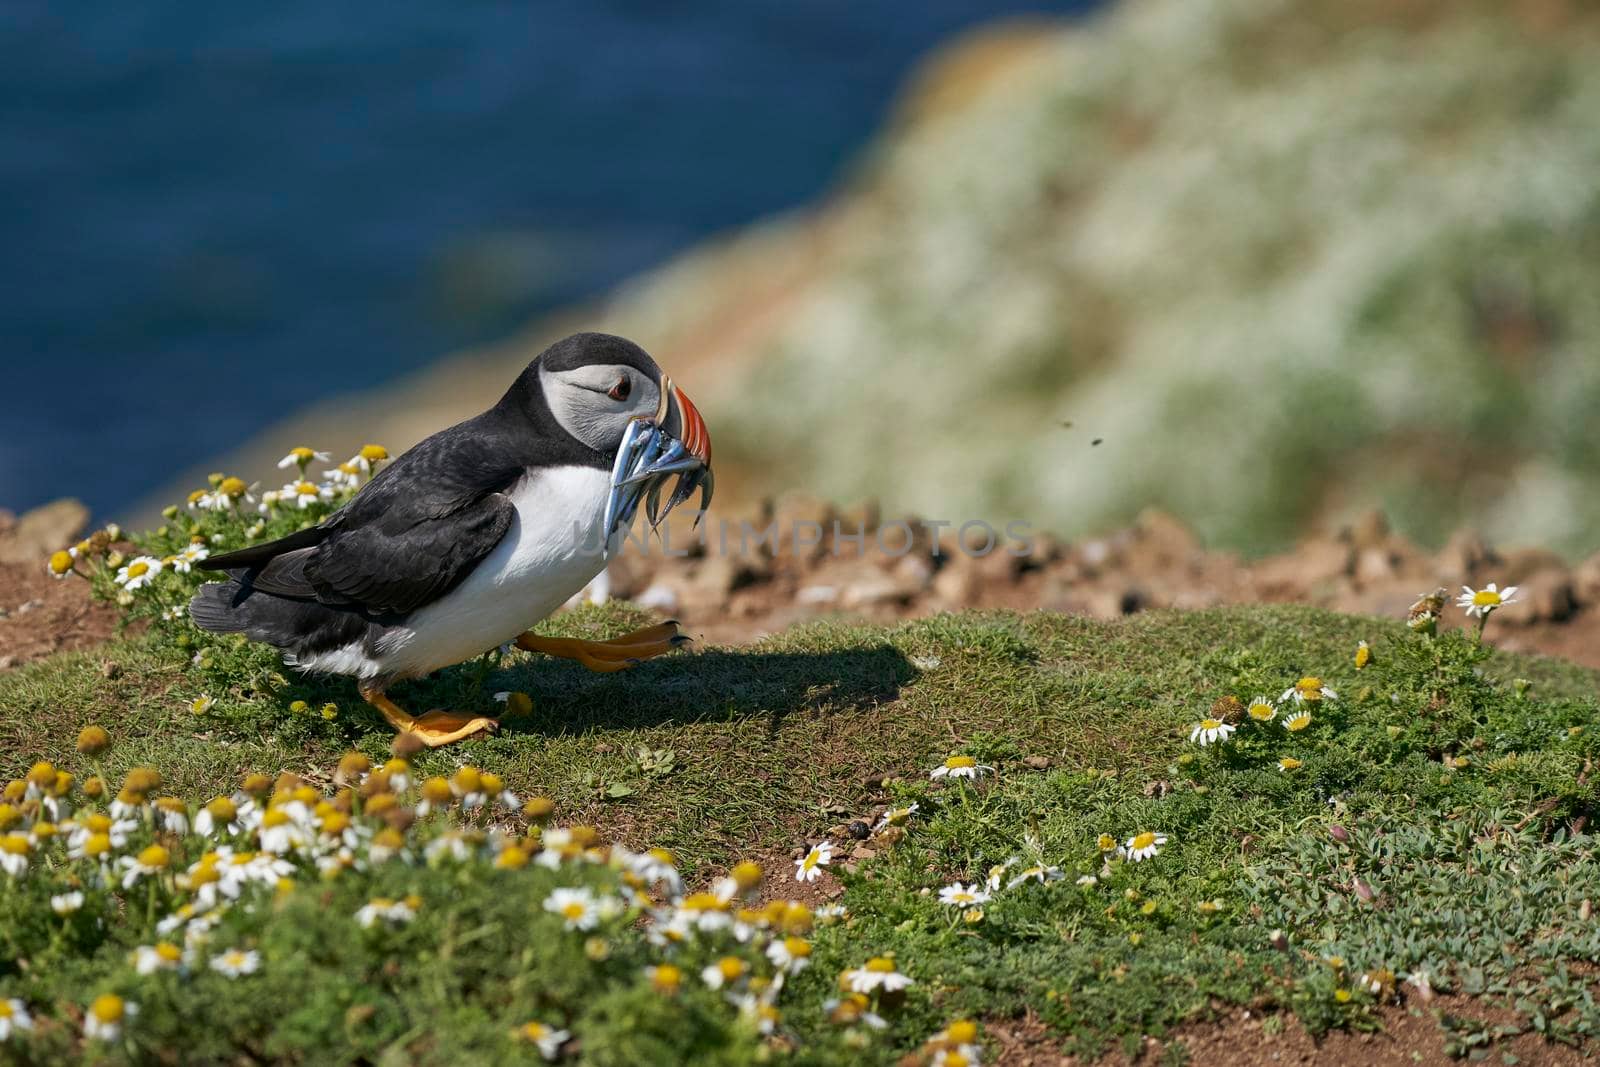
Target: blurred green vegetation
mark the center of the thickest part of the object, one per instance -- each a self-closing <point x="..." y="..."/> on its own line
<point x="1289" y="260"/>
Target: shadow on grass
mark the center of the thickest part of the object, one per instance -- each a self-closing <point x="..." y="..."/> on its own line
<point x="718" y="685"/>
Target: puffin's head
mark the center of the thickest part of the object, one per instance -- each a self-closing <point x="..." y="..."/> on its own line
<point x="596" y="384"/>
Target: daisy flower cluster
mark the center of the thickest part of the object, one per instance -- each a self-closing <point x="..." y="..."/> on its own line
<point x="160" y="574"/>
<point x="1292" y="712"/>
<point x="206" y="877"/>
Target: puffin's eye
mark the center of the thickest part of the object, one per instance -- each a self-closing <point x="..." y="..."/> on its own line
<point x="621" y="390"/>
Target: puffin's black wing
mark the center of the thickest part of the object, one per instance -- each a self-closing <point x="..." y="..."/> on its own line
<point x="409" y="537"/>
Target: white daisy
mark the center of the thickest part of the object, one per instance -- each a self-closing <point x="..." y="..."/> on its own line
<point x="368" y="458"/>
<point x="896" y="816"/>
<point x="235" y="963"/>
<point x="13" y="1016"/>
<point x="547" y="1039"/>
<point x="66" y="903"/>
<point x="960" y="767"/>
<point x="1297" y="722"/>
<point x="808" y="868"/>
<point x="382" y="909"/>
<point x="790" y="955"/>
<point x="138" y="572"/>
<point x="162" y="956"/>
<point x="877" y="973"/>
<point x="106" y="1016"/>
<point x="963" y="896"/>
<point x="301" y="456"/>
<point x="192" y="553"/>
<point x="579" y="907"/>
<point x="151" y="860"/>
<point x="1308" y="690"/>
<point x="1037" y="873"/>
<point x="14" y="849"/>
<point x="1262" y="710"/>
<point x="853" y="1009"/>
<point x="303" y="494"/>
<point x="1481" y="602"/>
<point x="1142" y="846"/>
<point x="343" y="477"/>
<point x="172" y="816"/>
<point x="726" y="971"/>
<point x="1210" y="731"/>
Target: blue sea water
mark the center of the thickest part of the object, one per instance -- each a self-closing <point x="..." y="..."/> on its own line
<point x="214" y="213"/>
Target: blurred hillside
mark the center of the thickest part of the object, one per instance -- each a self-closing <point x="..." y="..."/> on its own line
<point x="1289" y="260"/>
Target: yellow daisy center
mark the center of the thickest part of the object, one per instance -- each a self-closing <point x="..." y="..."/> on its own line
<point x="1261" y="711"/>
<point x="373" y="453"/>
<point x="1144" y="840"/>
<point x="169" y="952"/>
<point x="959" y="762"/>
<point x="1486" y="598"/>
<point x="305" y="489"/>
<point x="573" y="911"/>
<point x="233" y="487"/>
<point x="880" y="965"/>
<point x="107" y="1008"/>
<point x="1210" y="724"/>
<point x="138" y="568"/>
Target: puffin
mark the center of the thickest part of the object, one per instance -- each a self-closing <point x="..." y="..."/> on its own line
<point x="474" y="535"/>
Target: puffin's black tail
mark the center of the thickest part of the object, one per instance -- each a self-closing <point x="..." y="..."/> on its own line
<point x="301" y="628"/>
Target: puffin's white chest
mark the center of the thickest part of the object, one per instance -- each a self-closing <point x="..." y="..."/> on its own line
<point x="551" y="551"/>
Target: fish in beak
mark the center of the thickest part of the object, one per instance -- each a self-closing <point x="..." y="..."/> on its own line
<point x="674" y="444"/>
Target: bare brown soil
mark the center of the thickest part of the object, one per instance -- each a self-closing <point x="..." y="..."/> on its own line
<point x="1157" y="563"/>
<point x="1410" y="1036"/>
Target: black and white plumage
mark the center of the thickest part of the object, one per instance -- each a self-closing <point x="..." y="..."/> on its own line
<point x="467" y="539"/>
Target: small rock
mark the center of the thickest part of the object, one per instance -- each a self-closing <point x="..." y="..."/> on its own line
<point x="1374" y="565"/>
<point x="1586" y="580"/>
<point x="1370" y="531"/>
<point x="1545" y="596"/>
<point x="957" y="583"/>
<point x="914" y="572"/>
<point x="805" y="526"/>
<point x="1161" y="541"/>
<point x="42" y="531"/>
<point x="868" y="592"/>
<point x="1462" y="556"/>
<point x="860" y="830"/>
<point x="659" y="596"/>
<point x="1038" y="763"/>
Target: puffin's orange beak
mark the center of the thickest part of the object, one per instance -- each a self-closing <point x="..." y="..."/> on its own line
<point x="695" y="437"/>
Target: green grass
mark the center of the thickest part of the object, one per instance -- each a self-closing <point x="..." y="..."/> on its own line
<point x="1477" y="872"/>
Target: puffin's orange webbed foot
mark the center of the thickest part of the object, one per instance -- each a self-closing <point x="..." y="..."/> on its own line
<point x="618" y="654"/>
<point x="433" y="729"/>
